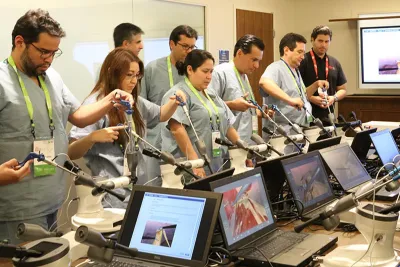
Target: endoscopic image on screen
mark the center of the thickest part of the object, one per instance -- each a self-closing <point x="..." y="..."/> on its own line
<point x="309" y="180"/>
<point x="159" y="233"/>
<point x="389" y="66"/>
<point x="243" y="208"/>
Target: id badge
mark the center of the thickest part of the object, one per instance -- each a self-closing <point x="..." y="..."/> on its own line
<point x="254" y="122"/>
<point x="45" y="147"/>
<point x="216" y="148"/>
<point x="309" y="111"/>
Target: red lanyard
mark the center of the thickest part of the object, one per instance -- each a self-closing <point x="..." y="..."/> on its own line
<point x="315" y="65"/>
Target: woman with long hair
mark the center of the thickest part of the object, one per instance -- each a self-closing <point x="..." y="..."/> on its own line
<point x="209" y="114"/>
<point x="103" y="144"/>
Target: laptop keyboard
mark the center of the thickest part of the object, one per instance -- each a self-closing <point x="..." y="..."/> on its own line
<point x="275" y="244"/>
<point x="118" y="263"/>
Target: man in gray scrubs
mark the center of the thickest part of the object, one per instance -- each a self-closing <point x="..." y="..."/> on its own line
<point x="230" y="82"/>
<point x="129" y="36"/>
<point x="35" y="106"/>
<point x="282" y="85"/>
<point x="159" y="76"/>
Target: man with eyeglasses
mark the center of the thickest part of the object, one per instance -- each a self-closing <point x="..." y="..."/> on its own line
<point x="35" y="106"/>
<point x="160" y="75"/>
<point x="317" y="65"/>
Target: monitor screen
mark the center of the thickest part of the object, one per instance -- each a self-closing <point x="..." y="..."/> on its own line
<point x="308" y="179"/>
<point x="386" y="147"/>
<point x="245" y="208"/>
<point x="345" y="166"/>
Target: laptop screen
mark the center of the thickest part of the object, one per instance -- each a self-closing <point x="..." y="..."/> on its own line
<point x="204" y="184"/>
<point x="332" y="141"/>
<point x="170" y="225"/>
<point x="385" y="146"/>
<point x="308" y="180"/>
<point x="345" y="166"/>
<point x="245" y="208"/>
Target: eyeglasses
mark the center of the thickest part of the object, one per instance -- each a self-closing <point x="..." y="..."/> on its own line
<point x="46" y="54"/>
<point x="187" y="47"/>
<point x="131" y="76"/>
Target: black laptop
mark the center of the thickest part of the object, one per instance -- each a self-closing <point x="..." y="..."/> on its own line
<point x="386" y="148"/>
<point x="248" y="226"/>
<point x="332" y="141"/>
<point x="361" y="144"/>
<point x="204" y="183"/>
<point x="169" y="227"/>
<point x="396" y="136"/>
<point x="349" y="171"/>
<point x="309" y="183"/>
<point x="274" y="174"/>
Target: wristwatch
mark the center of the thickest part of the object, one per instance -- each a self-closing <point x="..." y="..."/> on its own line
<point x="336" y="98"/>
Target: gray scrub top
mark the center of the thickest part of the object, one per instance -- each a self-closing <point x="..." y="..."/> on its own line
<point x="40" y="196"/>
<point x="280" y="74"/>
<point x="226" y="85"/>
<point x="155" y="84"/>
<point x="201" y="121"/>
<point x="106" y="159"/>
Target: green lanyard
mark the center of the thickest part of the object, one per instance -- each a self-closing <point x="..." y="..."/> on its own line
<point x="241" y="83"/>
<point x="171" y="78"/>
<point x="299" y="85"/>
<point x="28" y="101"/>
<point x="196" y="93"/>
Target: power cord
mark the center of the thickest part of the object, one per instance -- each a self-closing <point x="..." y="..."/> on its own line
<point x="219" y="256"/>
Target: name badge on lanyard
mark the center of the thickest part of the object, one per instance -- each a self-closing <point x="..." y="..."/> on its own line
<point x="254" y="121"/>
<point x="216" y="148"/>
<point x="40" y="145"/>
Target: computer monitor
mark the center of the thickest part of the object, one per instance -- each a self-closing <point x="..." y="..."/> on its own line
<point x="308" y="180"/>
<point x="324" y="143"/>
<point x="386" y="147"/>
<point x="345" y="166"/>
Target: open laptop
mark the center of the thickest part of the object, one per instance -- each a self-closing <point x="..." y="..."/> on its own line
<point x="309" y="183"/>
<point x="169" y="227"/>
<point x="324" y="143"/>
<point x="204" y="183"/>
<point x="361" y="144"/>
<point x="345" y="166"/>
<point x="274" y="175"/>
<point x="386" y="147"/>
<point x="247" y="222"/>
<point x="349" y="171"/>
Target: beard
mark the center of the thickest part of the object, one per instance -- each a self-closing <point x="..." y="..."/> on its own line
<point x="30" y="68"/>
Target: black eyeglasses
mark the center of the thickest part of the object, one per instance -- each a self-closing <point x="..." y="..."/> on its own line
<point x="46" y="54"/>
<point x="131" y="76"/>
<point x="187" y="47"/>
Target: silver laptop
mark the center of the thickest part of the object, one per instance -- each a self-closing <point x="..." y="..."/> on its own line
<point x="169" y="227"/>
<point x="248" y="226"/>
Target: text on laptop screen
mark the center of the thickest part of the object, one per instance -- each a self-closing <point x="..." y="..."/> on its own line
<point x="308" y="180"/>
<point x="345" y="166"/>
<point x="168" y="225"/>
<point x="245" y="208"/>
<point x="385" y="146"/>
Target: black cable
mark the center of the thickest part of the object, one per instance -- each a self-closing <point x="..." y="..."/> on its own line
<point x="222" y="254"/>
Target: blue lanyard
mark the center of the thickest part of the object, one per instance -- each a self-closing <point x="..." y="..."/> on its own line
<point x="297" y="80"/>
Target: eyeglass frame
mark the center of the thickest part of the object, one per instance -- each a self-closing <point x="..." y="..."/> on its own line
<point x="51" y="54"/>
<point x="138" y="76"/>
<point x="186" y="47"/>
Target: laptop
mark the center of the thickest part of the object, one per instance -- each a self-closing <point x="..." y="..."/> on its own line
<point x="324" y="143"/>
<point x="309" y="183"/>
<point x="386" y="147"/>
<point x="396" y="136"/>
<point x="168" y="226"/>
<point x="204" y="183"/>
<point x="345" y="166"/>
<point x="247" y="224"/>
<point x="274" y="175"/>
<point x="361" y="144"/>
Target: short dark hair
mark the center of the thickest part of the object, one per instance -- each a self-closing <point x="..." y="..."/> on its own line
<point x="125" y="31"/>
<point x="33" y="23"/>
<point x="246" y="42"/>
<point x="321" y="29"/>
<point x="186" y="30"/>
<point x="195" y="58"/>
<point x="290" y="40"/>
